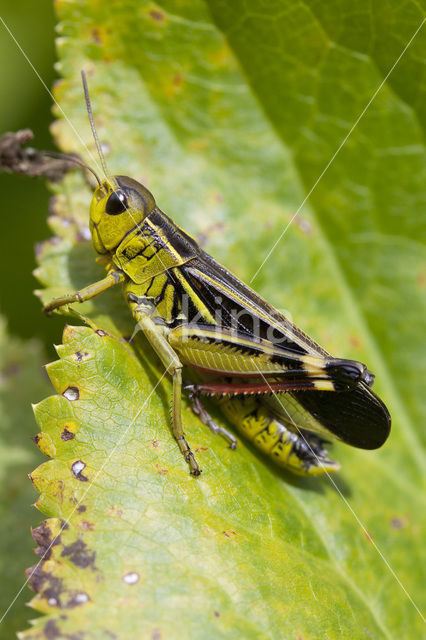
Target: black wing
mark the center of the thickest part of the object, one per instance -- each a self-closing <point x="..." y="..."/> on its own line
<point x="357" y="417"/>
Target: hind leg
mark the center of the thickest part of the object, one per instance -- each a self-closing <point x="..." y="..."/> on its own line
<point x="199" y="410"/>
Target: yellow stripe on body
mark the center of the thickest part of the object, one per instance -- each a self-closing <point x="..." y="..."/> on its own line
<point x="164" y="239"/>
<point x="198" y="303"/>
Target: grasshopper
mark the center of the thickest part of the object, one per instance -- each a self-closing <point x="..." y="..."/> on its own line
<point x="282" y="390"/>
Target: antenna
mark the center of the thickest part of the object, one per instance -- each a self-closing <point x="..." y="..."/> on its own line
<point x="92" y="123"/>
<point x="74" y="159"/>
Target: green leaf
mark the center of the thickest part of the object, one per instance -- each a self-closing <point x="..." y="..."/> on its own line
<point x="230" y="120"/>
<point x="21" y="380"/>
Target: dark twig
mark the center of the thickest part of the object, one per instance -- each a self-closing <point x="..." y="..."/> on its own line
<point x="16" y="159"/>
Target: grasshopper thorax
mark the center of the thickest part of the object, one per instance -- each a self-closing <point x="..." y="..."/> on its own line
<point x="118" y="205"/>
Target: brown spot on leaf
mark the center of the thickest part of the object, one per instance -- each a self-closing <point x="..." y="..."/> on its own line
<point x="161" y="470"/>
<point x="397" y="523"/>
<point x="157" y="15"/>
<point x="355" y="342"/>
<point x="177" y="80"/>
<point x="156" y="634"/>
<point x="51" y="630"/>
<point x="155" y="443"/>
<point x="43" y="536"/>
<point x="114" y="511"/>
<point x="216" y="614"/>
<point x="81" y="508"/>
<point x="209" y="531"/>
<point x="51" y="588"/>
<point x="56" y="487"/>
<point x="54" y="206"/>
<point x="79" y="554"/>
<point x="96" y="35"/>
<point x="87" y="526"/>
<point x="67" y="435"/>
<point x="36" y="438"/>
<point x="45" y="584"/>
<point x="303" y="224"/>
<point x="101" y="332"/>
<point x="81" y="355"/>
<point x="229" y="533"/>
<point x="45" y="444"/>
<point x="221" y="56"/>
<point x="38" y="250"/>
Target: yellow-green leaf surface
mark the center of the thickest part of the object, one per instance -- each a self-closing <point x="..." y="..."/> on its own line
<point x="22" y="380"/>
<point x="229" y="112"/>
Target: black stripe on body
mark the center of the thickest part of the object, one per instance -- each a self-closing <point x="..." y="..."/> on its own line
<point x="150" y="284"/>
<point x="160" y="297"/>
<point x="248" y="322"/>
<point x="176" y="237"/>
<point x="152" y="247"/>
<point x="183" y="302"/>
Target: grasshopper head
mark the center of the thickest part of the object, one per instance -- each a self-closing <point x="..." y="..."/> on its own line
<point x="119" y="204"/>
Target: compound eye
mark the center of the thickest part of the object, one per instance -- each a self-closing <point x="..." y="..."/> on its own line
<point x="116" y="203"/>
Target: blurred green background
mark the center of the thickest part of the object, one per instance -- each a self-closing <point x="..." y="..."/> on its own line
<point x="24" y="102"/>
